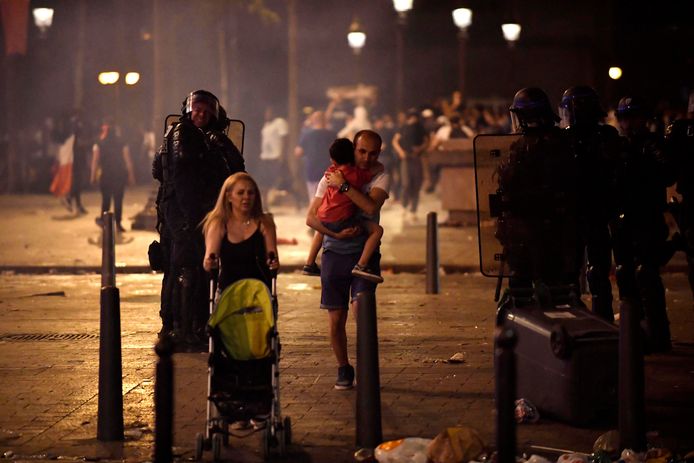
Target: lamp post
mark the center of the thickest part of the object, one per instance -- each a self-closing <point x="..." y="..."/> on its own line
<point x="511" y="33"/>
<point x="107" y="78"/>
<point x="43" y="18"/>
<point x="356" y="39"/>
<point x="462" y="18"/>
<point x="402" y="7"/>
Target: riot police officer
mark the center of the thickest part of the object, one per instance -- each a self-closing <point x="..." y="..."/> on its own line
<point x="594" y="147"/>
<point x="537" y="189"/>
<point x="679" y="139"/>
<point x="192" y="164"/>
<point x="639" y="229"/>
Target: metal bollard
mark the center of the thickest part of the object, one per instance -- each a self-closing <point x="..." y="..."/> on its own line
<point x="369" y="432"/>
<point x="632" y="427"/>
<point x="505" y="388"/>
<point x="163" y="401"/>
<point x="108" y="251"/>
<point x="110" y="407"/>
<point x="432" y="264"/>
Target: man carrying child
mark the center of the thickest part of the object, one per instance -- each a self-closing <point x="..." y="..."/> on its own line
<point x="342" y="250"/>
<point x="337" y="211"/>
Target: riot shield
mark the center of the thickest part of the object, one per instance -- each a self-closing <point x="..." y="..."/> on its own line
<point x="236" y="129"/>
<point x="490" y="151"/>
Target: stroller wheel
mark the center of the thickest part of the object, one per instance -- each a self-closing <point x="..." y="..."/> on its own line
<point x="216" y="447"/>
<point x="281" y="442"/>
<point x="265" y="443"/>
<point x="288" y="430"/>
<point x="199" y="446"/>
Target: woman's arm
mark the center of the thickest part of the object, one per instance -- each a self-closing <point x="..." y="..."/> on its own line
<point x="269" y="231"/>
<point x="213" y="244"/>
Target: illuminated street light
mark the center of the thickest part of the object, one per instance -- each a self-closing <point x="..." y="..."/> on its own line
<point x="109" y="77"/>
<point x="511" y="33"/>
<point x="462" y="17"/>
<point x="131" y="78"/>
<point x="615" y="72"/>
<point x="43" y="18"/>
<point x="356" y="37"/>
<point x="402" y="7"/>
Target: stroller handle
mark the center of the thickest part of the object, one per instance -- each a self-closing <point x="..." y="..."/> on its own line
<point x="272" y="256"/>
<point x="214" y="271"/>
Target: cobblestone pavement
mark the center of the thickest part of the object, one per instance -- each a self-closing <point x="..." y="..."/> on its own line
<point x="49" y="380"/>
<point x="48" y="388"/>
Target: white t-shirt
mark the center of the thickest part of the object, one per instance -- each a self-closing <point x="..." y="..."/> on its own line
<point x="271" y="135"/>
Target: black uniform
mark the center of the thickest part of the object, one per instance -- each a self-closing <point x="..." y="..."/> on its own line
<point x="595" y="148"/>
<point x="537" y="189"/>
<point x="192" y="165"/>
<point x="679" y="138"/>
<point x="639" y="231"/>
<point x="537" y="226"/>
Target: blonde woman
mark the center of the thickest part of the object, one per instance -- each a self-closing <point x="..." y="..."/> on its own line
<point x="239" y="234"/>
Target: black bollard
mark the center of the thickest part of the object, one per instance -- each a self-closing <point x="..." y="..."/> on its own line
<point x="432" y="254"/>
<point x="632" y="428"/>
<point x="163" y="401"/>
<point x="369" y="432"/>
<point x="110" y="411"/>
<point x="108" y="251"/>
<point x="505" y="372"/>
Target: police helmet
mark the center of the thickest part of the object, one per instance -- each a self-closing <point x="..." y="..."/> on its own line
<point x="201" y="96"/>
<point x="531" y="107"/>
<point x="580" y="104"/>
<point x="631" y="106"/>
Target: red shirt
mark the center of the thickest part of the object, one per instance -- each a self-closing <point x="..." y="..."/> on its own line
<point x="337" y="206"/>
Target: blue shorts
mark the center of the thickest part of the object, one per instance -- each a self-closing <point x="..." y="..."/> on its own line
<point x="337" y="280"/>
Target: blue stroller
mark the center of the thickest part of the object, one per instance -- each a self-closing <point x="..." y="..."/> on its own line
<point x="243" y="368"/>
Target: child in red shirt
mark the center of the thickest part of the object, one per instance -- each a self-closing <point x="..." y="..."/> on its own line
<point x="338" y="212"/>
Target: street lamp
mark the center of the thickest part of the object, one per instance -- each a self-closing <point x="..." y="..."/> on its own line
<point x="462" y="18"/>
<point x="43" y="18"/>
<point x="402" y="7"/>
<point x="108" y="77"/>
<point x="511" y="33"/>
<point x="131" y="78"/>
<point x="615" y="72"/>
<point x="356" y="39"/>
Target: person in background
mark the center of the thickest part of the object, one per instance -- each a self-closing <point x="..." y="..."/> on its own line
<point x="112" y="168"/>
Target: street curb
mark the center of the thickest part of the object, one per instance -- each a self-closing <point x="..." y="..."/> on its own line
<point x="291" y="268"/>
<point x="134" y="269"/>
